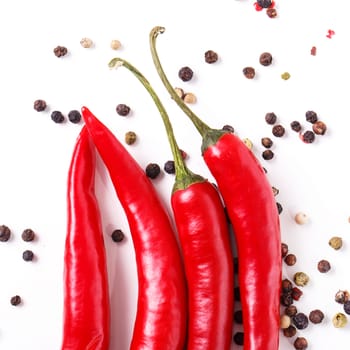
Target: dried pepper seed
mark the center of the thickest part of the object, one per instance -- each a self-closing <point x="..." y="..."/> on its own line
<point x="275" y="191"/>
<point x="284" y="249"/>
<point x="249" y="72"/>
<point x="336" y="242"/>
<point x="286" y="285"/>
<point x="290" y="259"/>
<point x="267" y="154"/>
<point x="211" y="56"/>
<point x="308" y="136"/>
<point x="285" y="76"/>
<point x="228" y="128"/>
<point x="278" y="130"/>
<point x="238" y="338"/>
<point x="296" y="293"/>
<point x="15" y="300"/>
<point x="190" y="98"/>
<point x="266" y="142"/>
<point x="342" y="296"/>
<point x="86" y="43"/>
<point x="40" y="105"/>
<point x="286" y="299"/>
<point x="185" y="73"/>
<point x="285" y="321"/>
<point x="238" y="316"/>
<point x="319" y="128"/>
<point x="271" y="12"/>
<point x="339" y="320"/>
<point x="115" y="44"/>
<point x="265" y="59"/>
<point x="152" y="170"/>
<point x="117" y="235"/>
<point x="346" y="307"/>
<point x="300" y="343"/>
<point x="316" y="316"/>
<point x="279" y="207"/>
<point x="5" y="233"/>
<point x="300" y="320"/>
<point x="169" y="167"/>
<point x="264" y="3"/>
<point x="323" y="266"/>
<point x="311" y="117"/>
<point x="122" y="109"/>
<point x="130" y="137"/>
<point x="301" y="279"/>
<point x="291" y="310"/>
<point x="301" y="218"/>
<point x="289" y="332"/>
<point x="28" y="255"/>
<point x="60" y="51"/>
<point x="28" y="235"/>
<point x="180" y="92"/>
<point x="295" y="126"/>
<point x="57" y="117"/>
<point x="74" y="116"/>
<point x="270" y="118"/>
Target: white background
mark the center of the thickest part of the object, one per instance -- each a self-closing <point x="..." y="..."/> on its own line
<point x="35" y="152"/>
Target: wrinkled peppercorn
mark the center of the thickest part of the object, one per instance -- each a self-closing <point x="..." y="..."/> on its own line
<point x="285" y="76"/>
<point x="74" y="116"/>
<point x="300" y="320"/>
<point x="267" y="154"/>
<point x="296" y="293"/>
<point x="152" y="170"/>
<point x="346" y="307"/>
<point x="28" y="255"/>
<point x="228" y="128"/>
<point x="264" y="3"/>
<point x="311" y="117"/>
<point x="279" y="207"/>
<point x="15" y="300"/>
<point x="117" y="235"/>
<point x="290" y="259"/>
<point x="308" y="136"/>
<point x="130" y="137"/>
<point x="238" y="316"/>
<point x="249" y="72"/>
<point x="289" y="332"/>
<point x="265" y="59"/>
<point x="295" y="126"/>
<point x="342" y="296"/>
<point x="300" y="343"/>
<point x="210" y="56"/>
<point x="185" y="73"/>
<point x="323" y="266"/>
<point x="28" y="235"/>
<point x="169" y="167"/>
<point x="278" y="130"/>
<point x="5" y="233"/>
<point x="266" y="142"/>
<point x="286" y="285"/>
<point x="57" y="117"/>
<point x="286" y="299"/>
<point x="316" y="316"/>
<point x="271" y="12"/>
<point x="60" y="51"/>
<point x="270" y="118"/>
<point x="291" y="310"/>
<point x="86" y="43"/>
<point x="122" y="109"/>
<point x="339" y="320"/>
<point x="284" y="249"/>
<point x="40" y="105"/>
<point x="319" y="128"/>
<point x="238" y="338"/>
<point x="301" y="279"/>
<point x="336" y="242"/>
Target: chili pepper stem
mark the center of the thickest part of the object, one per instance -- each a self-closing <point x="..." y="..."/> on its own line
<point x="183" y="176"/>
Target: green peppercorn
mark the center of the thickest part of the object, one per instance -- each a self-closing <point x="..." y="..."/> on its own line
<point x="301" y="279"/>
<point x="130" y="137"/>
<point x="152" y="170"/>
<point x="5" y="233"/>
<point x="285" y="76"/>
<point x="336" y="242"/>
<point x="339" y="320"/>
<point x="117" y="235"/>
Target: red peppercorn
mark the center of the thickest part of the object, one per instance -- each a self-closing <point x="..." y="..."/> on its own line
<point x="211" y="56"/>
<point x="152" y="170"/>
<point x="249" y="72"/>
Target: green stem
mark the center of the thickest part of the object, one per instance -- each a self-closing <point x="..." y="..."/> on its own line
<point x="183" y="176"/>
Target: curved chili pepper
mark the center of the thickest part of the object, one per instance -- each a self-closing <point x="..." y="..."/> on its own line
<point x="86" y="319"/>
<point x="253" y="212"/>
<point x="161" y="309"/>
<point x="204" y="236"/>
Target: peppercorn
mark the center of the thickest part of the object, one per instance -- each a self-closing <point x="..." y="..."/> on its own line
<point x="286" y="285"/>
<point x="57" y="117"/>
<point x="308" y="136"/>
<point x="190" y="98"/>
<point x="228" y="128"/>
<point x="180" y="92"/>
<point x="60" y="51"/>
<point x="152" y="170"/>
<point x="342" y="296"/>
<point x="40" y="105"/>
<point x="271" y="12"/>
<point x="28" y="235"/>
<point x="266" y="142"/>
<point x="296" y="293"/>
<point x="319" y="128"/>
<point x="290" y="259"/>
<point x="123" y="109"/>
<point x="15" y="300"/>
<point x="313" y="51"/>
<point x="278" y="130"/>
<point x="301" y="218"/>
<point x="316" y="316"/>
<point x="267" y="154"/>
<point x="270" y="118"/>
<point x="115" y="44"/>
<point x="346" y="307"/>
<point x="238" y="338"/>
<point x="185" y="73"/>
<point x="336" y="242"/>
<point x="130" y="137"/>
<point x="289" y="332"/>
<point x="295" y="126"/>
<point x="265" y="59"/>
<point x="301" y="279"/>
<point x="210" y="56"/>
<point x="291" y="310"/>
<point x="300" y="343"/>
<point x="286" y="299"/>
<point x="117" y="235"/>
<point x="86" y="43"/>
<point x="323" y="266"/>
<point x="264" y="3"/>
<point x="284" y="249"/>
<point x="339" y="320"/>
<point x="5" y="233"/>
<point x="74" y="116"/>
<point x="285" y="321"/>
<point x="169" y="167"/>
<point x="28" y="255"/>
<point x="300" y="321"/>
<point x="275" y="191"/>
<point x="285" y="76"/>
<point x="311" y="117"/>
<point x="238" y="316"/>
<point x="249" y="72"/>
<point x="279" y="207"/>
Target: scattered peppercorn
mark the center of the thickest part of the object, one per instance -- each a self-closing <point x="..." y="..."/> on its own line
<point x="185" y="73"/>
<point x="301" y="279"/>
<point x="74" y="116"/>
<point x="28" y="235"/>
<point x="86" y="43"/>
<point x="346" y="307"/>
<point x="296" y="293"/>
<point x="249" y="72"/>
<point x="267" y="154"/>
<point x="295" y="126"/>
<point x="238" y="338"/>
<point x="238" y="316"/>
<point x="300" y="343"/>
<point x="228" y="128"/>
<point x="291" y="310"/>
<point x="266" y="142"/>
<point x="123" y="109"/>
<point x="279" y="207"/>
<point x="284" y="249"/>
<point x="275" y="191"/>
<point x="308" y="136"/>
<point x="57" y="117"/>
<point x="180" y="92"/>
<point x="60" y="51"/>
<point x="342" y="296"/>
<point x="286" y="299"/>
<point x="115" y="44"/>
<point x="270" y="118"/>
<point x="339" y="320"/>
<point x="289" y="332"/>
<point x="169" y="167"/>
<point x="323" y="266"/>
<point x="130" y="137"/>
<point x="313" y="51"/>
<point x="15" y="300"/>
<point x="28" y="255"/>
<point x="264" y="3"/>
<point x="285" y="76"/>
<point x="290" y="259"/>
<point x="311" y="117"/>
<point x="271" y="12"/>
<point x="316" y="316"/>
<point x="278" y="130"/>
<point x="300" y="320"/>
<point x="211" y="56"/>
<point x="286" y="285"/>
<point x="190" y="98"/>
<point x="40" y="105"/>
<point x="265" y="59"/>
<point x="285" y="321"/>
<point x="319" y="128"/>
<point x="336" y="242"/>
<point x="301" y="218"/>
<point x="117" y="235"/>
<point x="5" y="233"/>
<point x="152" y="170"/>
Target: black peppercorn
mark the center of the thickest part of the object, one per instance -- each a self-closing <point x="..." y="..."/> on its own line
<point x="271" y="12"/>
<point x="289" y="332"/>
<point x="211" y="56"/>
<point x="270" y="118"/>
<point x="266" y="142"/>
<point x="279" y="207"/>
<point x="316" y="316"/>
<point x="278" y="130"/>
<point x="5" y="233"/>
<point x="249" y="72"/>
<point x="152" y="170"/>
<point x="228" y="128"/>
<point x="311" y="117"/>
<point x="238" y="338"/>
<point x="286" y="285"/>
<point x="40" y="105"/>
<point x="185" y="73"/>
<point x="264" y="3"/>
<point x="169" y="167"/>
<point x="291" y="310"/>
<point x="308" y="136"/>
<point x="117" y="235"/>
<point x="28" y="255"/>
<point x="238" y="316"/>
<point x="122" y="109"/>
<point x="57" y="117"/>
<point x="265" y="59"/>
<point x="28" y="235"/>
<point x="15" y="300"/>
<point x="290" y="259"/>
<point x="284" y="249"/>
<point x="286" y="299"/>
<point x="300" y="320"/>
<point x="295" y="126"/>
<point x="300" y="343"/>
<point x="346" y="307"/>
<point x="60" y="51"/>
<point x="74" y="116"/>
<point x="323" y="266"/>
<point x="267" y="154"/>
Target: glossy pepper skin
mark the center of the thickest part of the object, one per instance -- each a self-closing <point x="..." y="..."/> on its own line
<point x="161" y="309"/>
<point x="86" y="319"/>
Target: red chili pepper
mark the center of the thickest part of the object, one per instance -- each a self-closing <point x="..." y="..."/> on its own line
<point x="161" y="309"/>
<point x="253" y="212"/>
<point x="86" y="319"/>
<point x="204" y="236"/>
